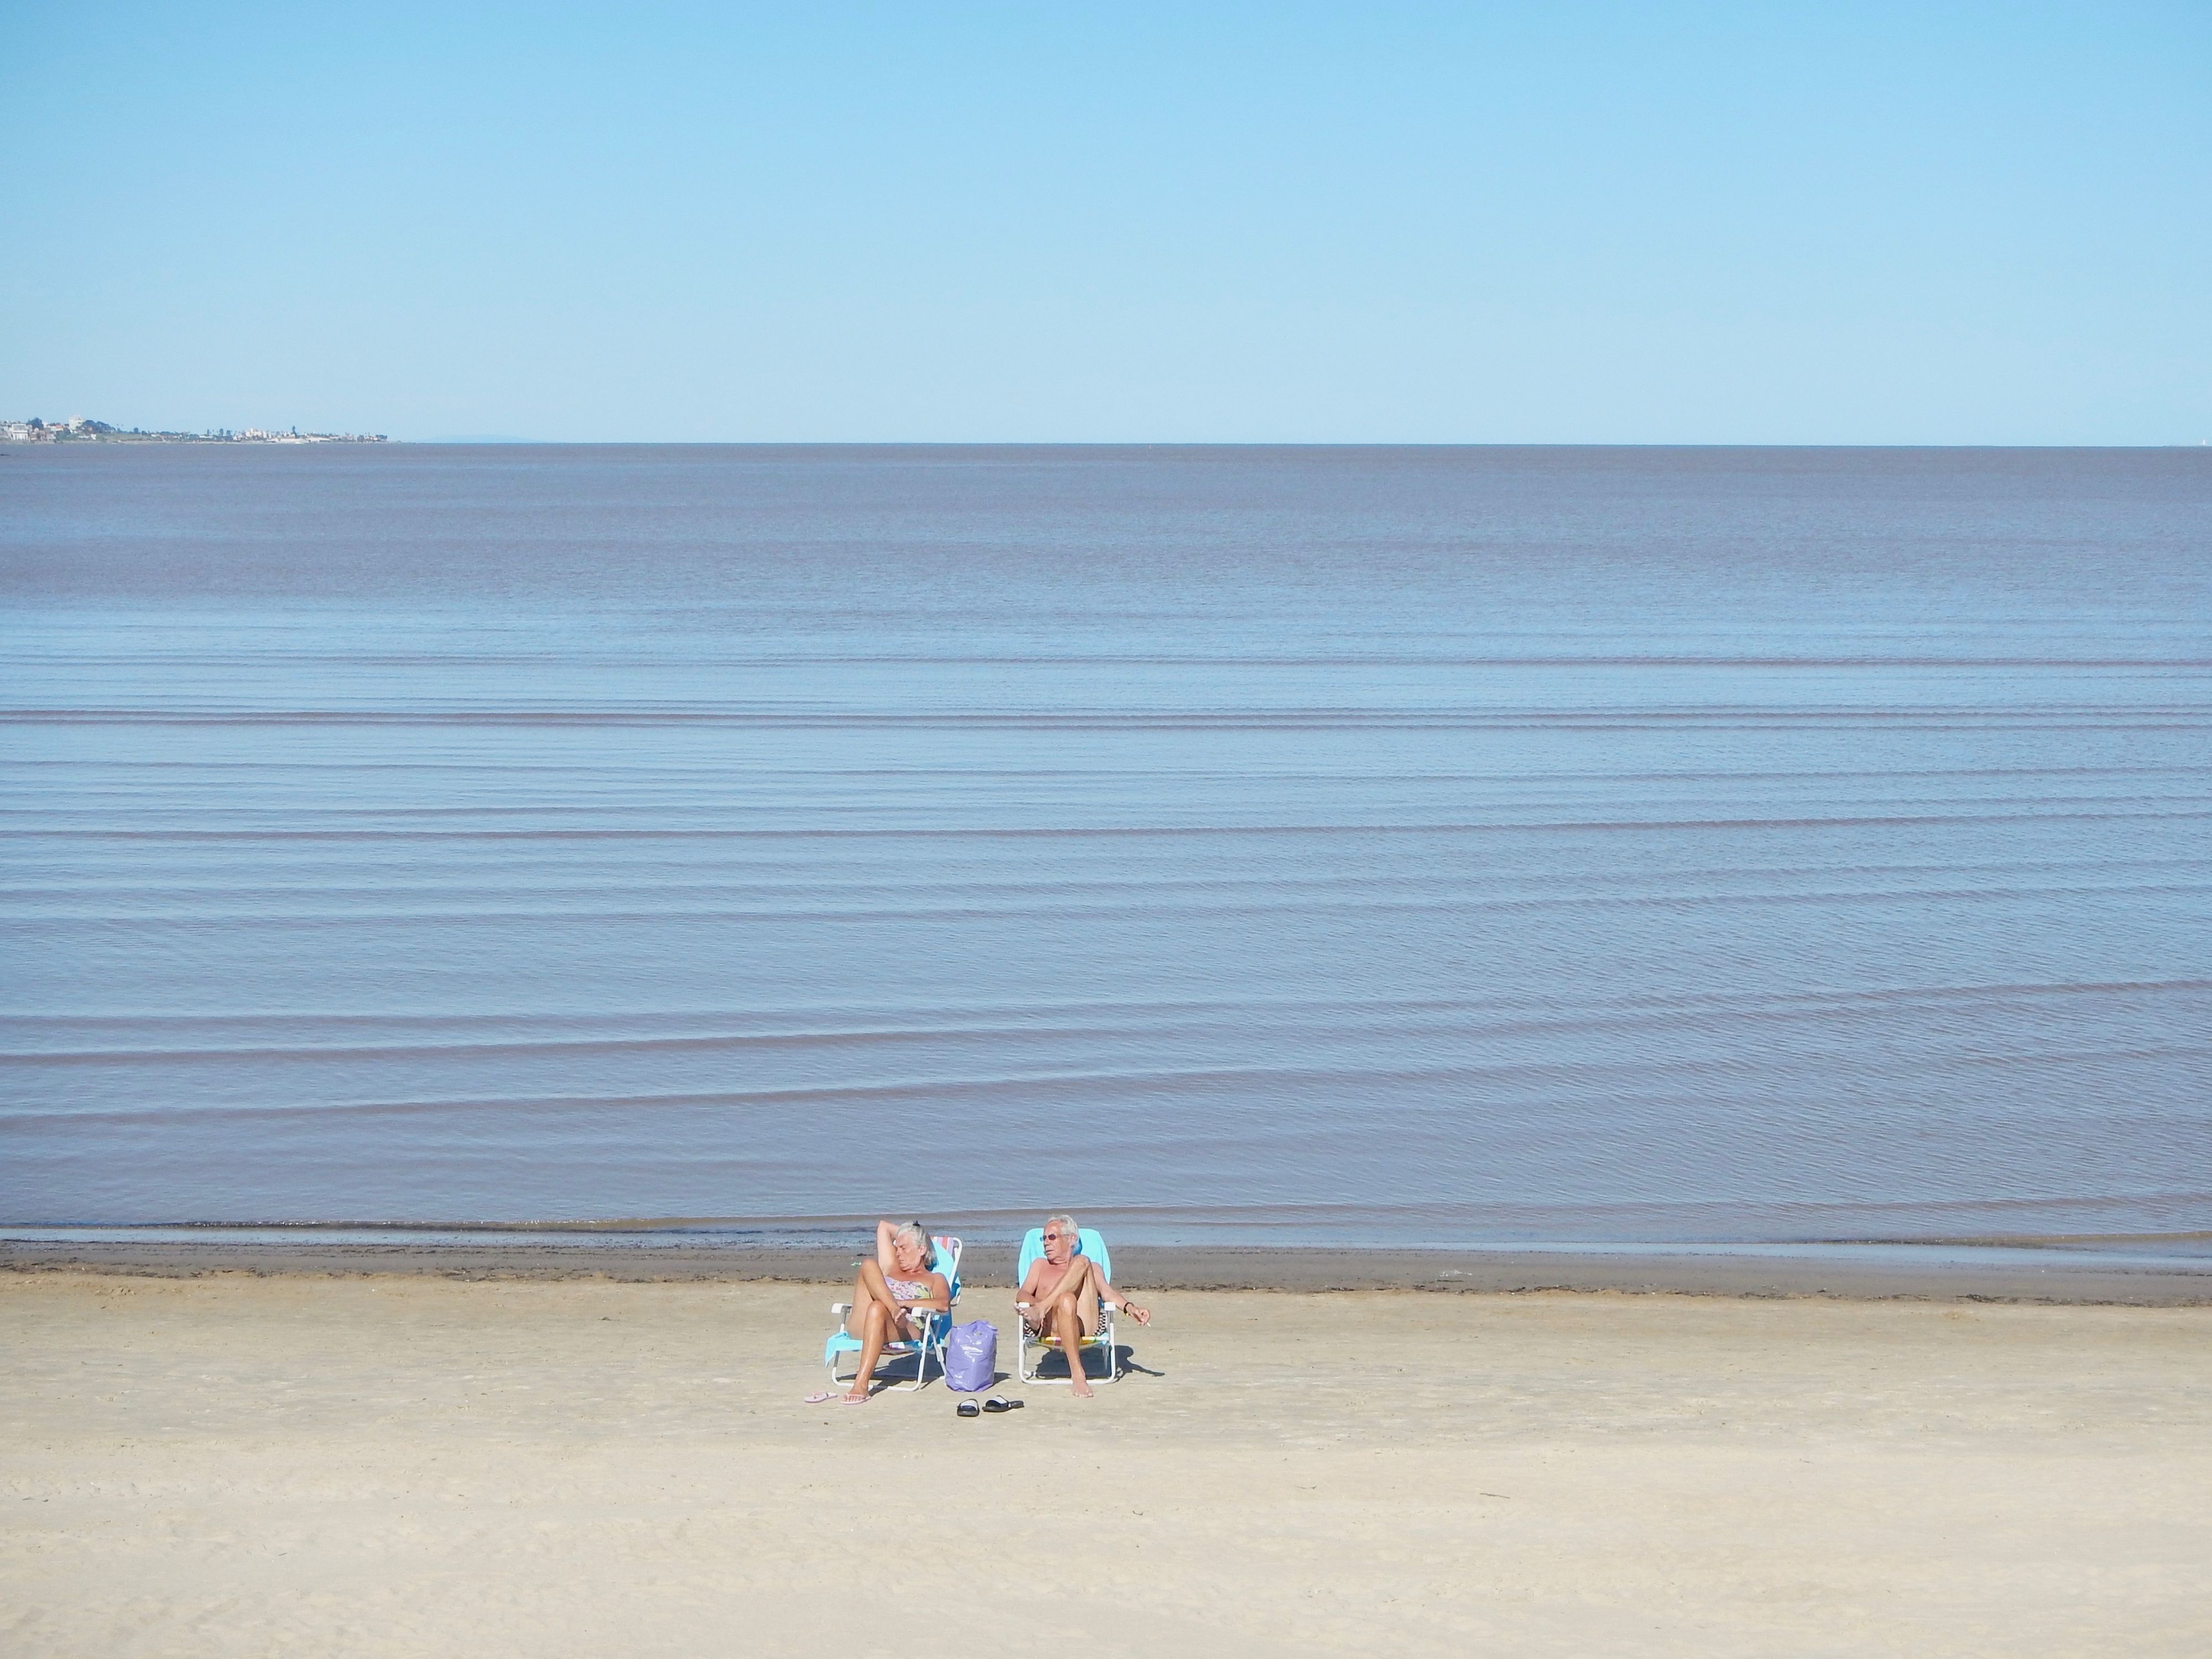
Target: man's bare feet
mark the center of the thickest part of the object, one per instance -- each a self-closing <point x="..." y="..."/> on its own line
<point x="1078" y="1387"/>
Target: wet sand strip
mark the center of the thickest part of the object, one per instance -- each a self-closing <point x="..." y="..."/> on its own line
<point x="2183" y="1280"/>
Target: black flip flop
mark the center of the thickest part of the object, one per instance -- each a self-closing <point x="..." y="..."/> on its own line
<point x="996" y="1404"/>
<point x="967" y="1408"/>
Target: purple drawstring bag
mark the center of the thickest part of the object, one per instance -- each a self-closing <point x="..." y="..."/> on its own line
<point x="971" y="1356"/>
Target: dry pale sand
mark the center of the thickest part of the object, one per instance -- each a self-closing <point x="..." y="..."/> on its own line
<point x="302" y="1466"/>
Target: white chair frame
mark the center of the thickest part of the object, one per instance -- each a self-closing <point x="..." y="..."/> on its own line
<point x="1024" y="1340"/>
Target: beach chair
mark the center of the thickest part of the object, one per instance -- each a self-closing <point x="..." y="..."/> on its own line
<point x="1090" y="1244"/>
<point x="935" y="1328"/>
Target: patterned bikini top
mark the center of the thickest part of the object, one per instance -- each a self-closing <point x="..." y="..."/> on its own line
<point x="908" y="1290"/>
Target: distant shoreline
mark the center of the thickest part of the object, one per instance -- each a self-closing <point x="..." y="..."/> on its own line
<point x="81" y="431"/>
<point x="12" y="434"/>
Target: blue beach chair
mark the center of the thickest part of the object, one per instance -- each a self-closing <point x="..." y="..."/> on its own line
<point x="1088" y="1243"/>
<point x="935" y="1329"/>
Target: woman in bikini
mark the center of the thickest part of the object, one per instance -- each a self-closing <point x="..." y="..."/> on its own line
<point x="897" y="1283"/>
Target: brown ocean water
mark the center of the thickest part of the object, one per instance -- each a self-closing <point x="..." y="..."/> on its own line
<point x="1393" y="846"/>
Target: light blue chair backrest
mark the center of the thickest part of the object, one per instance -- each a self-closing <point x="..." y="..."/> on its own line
<point x="1088" y="1243"/>
<point x="941" y="1261"/>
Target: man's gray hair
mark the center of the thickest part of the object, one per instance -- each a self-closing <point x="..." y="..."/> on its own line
<point x="1065" y="1223"/>
<point x="914" y="1233"/>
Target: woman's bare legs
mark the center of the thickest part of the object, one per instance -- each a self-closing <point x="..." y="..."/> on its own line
<point x="876" y="1319"/>
<point x="873" y="1320"/>
<point x="868" y="1286"/>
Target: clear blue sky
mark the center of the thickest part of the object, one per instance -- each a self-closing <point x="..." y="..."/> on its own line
<point x="1573" y="223"/>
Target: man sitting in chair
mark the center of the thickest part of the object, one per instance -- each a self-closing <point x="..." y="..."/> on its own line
<point x="1063" y="1292"/>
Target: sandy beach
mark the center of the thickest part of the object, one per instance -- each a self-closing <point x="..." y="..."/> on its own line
<point x="388" y="1464"/>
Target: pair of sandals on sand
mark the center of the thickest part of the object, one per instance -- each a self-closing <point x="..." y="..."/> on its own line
<point x="966" y="1408"/>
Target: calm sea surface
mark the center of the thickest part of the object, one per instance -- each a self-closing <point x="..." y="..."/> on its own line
<point x="1389" y="845"/>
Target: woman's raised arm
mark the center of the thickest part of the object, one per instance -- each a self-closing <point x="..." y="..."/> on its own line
<point x="884" y="1259"/>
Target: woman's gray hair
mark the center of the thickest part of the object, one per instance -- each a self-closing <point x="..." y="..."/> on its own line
<point x="914" y="1233"/>
<point x="1065" y="1223"/>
